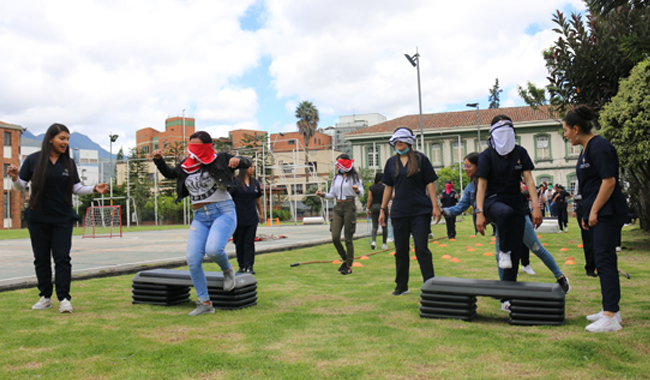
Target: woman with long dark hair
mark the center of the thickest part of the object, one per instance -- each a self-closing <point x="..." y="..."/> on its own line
<point x="50" y="215"/>
<point x="246" y="193"/>
<point x="206" y="176"/>
<point x="375" y="196"/>
<point x="603" y="209"/>
<point x="346" y="186"/>
<point x="412" y="176"/>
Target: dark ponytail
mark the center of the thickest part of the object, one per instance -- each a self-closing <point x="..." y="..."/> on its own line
<point x="582" y="116"/>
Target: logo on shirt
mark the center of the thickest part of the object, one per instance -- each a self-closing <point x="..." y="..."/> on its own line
<point x="584" y="165"/>
<point x="518" y="166"/>
<point x="65" y="173"/>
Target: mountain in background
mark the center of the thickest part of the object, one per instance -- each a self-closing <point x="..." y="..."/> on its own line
<point x="77" y="140"/>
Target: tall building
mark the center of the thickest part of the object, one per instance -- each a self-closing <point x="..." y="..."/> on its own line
<point x="349" y="124"/>
<point x="177" y="130"/>
<point x="12" y="200"/>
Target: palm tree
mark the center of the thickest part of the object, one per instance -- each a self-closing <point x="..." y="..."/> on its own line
<point x="307" y="116"/>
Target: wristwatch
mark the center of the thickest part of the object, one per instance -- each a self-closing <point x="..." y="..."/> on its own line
<point x="478" y="211"/>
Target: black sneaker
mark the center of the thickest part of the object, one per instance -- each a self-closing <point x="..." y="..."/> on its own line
<point x="249" y="270"/>
<point x="241" y="270"/>
<point x="592" y="273"/>
<point x="343" y="266"/>
<point x="564" y="283"/>
<point x="400" y="291"/>
<point x="346" y="270"/>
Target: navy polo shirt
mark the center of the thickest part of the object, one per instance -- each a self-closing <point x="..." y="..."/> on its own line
<point x="598" y="161"/>
<point x="410" y="192"/>
<point x="504" y="176"/>
<point x="244" y="197"/>
<point x="54" y="207"/>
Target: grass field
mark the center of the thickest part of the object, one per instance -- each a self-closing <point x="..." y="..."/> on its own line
<point x="313" y="323"/>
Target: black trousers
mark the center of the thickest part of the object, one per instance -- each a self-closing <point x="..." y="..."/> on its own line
<point x="52" y="241"/>
<point x="450" y="221"/>
<point x="525" y="256"/>
<point x="604" y="237"/>
<point x="375" y="209"/>
<point x="420" y="227"/>
<point x="587" y="245"/>
<point x="244" y="239"/>
<point x="510" y="225"/>
<point x="562" y="217"/>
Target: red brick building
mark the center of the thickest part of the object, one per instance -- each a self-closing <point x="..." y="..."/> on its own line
<point x="12" y="201"/>
<point x="238" y="136"/>
<point x="150" y="139"/>
<point x="294" y="140"/>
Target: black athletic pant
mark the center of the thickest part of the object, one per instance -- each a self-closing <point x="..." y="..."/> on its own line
<point x="511" y="234"/>
<point x="374" y="215"/>
<point x="450" y="221"/>
<point x="55" y="241"/>
<point x="604" y="237"/>
<point x="420" y="227"/>
<point x="525" y="256"/>
<point x="244" y="239"/>
<point x="562" y="217"/>
<point x="587" y="245"/>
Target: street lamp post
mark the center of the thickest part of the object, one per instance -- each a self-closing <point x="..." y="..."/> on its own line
<point x="478" y="124"/>
<point x="113" y="138"/>
<point x="415" y="61"/>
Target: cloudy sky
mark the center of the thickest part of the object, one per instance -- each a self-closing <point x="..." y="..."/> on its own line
<point x="118" y="66"/>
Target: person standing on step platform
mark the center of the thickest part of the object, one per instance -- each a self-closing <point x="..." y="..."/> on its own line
<point x="375" y="196"/>
<point x="206" y="176"/>
<point x="346" y="186"/>
<point x="498" y="197"/>
<point x="449" y="198"/>
<point x="412" y="176"/>
<point x="560" y="201"/>
<point x="246" y="194"/>
<point x="604" y="210"/>
<point x="530" y="236"/>
<point x="49" y="215"/>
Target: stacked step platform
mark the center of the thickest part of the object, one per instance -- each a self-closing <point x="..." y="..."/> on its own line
<point x="168" y="287"/>
<point x="531" y="303"/>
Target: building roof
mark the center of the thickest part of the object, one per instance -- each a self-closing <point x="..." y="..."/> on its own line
<point x="435" y="121"/>
<point x="11" y="126"/>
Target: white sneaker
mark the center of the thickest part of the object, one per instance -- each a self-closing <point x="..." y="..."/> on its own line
<point x="42" y="304"/>
<point x="373" y="245"/>
<point x="505" y="306"/>
<point x="604" y="324"/>
<point x="389" y="240"/>
<point x="597" y="316"/>
<point x="65" y="306"/>
<point x="618" y="249"/>
<point x="384" y="246"/>
<point x="528" y="270"/>
<point x="504" y="260"/>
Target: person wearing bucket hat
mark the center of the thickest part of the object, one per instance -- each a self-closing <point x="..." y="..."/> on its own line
<point x="412" y="176"/>
<point x="498" y="197"/>
<point x="346" y="186"/>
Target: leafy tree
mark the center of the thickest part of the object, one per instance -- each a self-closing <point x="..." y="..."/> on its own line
<point x="494" y="94"/>
<point x="450" y="173"/>
<point x="626" y="124"/>
<point x="314" y="203"/>
<point x="308" y="119"/>
<point x="587" y="61"/>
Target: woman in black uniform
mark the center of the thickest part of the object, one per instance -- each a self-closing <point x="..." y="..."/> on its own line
<point x="603" y="208"/>
<point x="246" y="194"/>
<point x="375" y="196"/>
<point x="50" y="216"/>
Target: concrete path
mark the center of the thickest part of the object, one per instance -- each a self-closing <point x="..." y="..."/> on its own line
<point x="104" y="256"/>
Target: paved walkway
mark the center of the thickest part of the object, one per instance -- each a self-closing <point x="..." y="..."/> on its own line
<point x="103" y="256"/>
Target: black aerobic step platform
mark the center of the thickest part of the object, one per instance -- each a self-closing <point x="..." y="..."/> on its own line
<point x="532" y="303"/>
<point x="167" y="287"/>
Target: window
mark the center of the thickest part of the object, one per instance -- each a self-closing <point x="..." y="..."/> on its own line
<point x="543" y="151"/>
<point x="7" y="138"/>
<point x="573" y="179"/>
<point x="5" y="171"/>
<point x="436" y="154"/>
<point x="373" y="157"/>
<point x="291" y="142"/>
<point x="542" y="179"/>
<point x="314" y="140"/>
<point x="7" y="207"/>
<point x="456" y="153"/>
<point x="145" y="149"/>
<point x="573" y="150"/>
<point x="296" y="189"/>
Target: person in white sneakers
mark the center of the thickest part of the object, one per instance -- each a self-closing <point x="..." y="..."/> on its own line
<point x="49" y="215"/>
<point x="604" y="210"/>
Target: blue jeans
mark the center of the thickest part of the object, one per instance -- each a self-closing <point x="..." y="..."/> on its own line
<point x="212" y="227"/>
<point x="531" y="241"/>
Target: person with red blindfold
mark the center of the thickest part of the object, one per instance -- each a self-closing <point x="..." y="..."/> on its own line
<point x="205" y="177"/>
<point x="346" y="185"/>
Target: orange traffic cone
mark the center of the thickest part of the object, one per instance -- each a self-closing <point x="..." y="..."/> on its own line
<point x="443" y="245"/>
<point x="580" y="245"/>
<point x="563" y="249"/>
<point x="455" y="260"/>
<point x="414" y="257"/>
<point x="277" y="221"/>
<point x="268" y="222"/>
<point x="336" y="262"/>
<point x="392" y="253"/>
<point x="364" y="258"/>
<point x="471" y="250"/>
<point x="356" y="264"/>
<point x="478" y="245"/>
<point x="488" y="254"/>
<point x="570" y="262"/>
<point x="445" y="257"/>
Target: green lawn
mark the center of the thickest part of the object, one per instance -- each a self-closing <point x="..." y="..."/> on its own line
<point x="313" y="323"/>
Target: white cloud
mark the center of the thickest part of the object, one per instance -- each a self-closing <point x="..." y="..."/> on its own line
<point x="122" y="65"/>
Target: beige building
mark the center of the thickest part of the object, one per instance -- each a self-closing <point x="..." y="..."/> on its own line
<point x="450" y="136"/>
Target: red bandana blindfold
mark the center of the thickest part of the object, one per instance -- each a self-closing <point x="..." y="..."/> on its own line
<point x="200" y="154"/>
<point x="345" y="165"/>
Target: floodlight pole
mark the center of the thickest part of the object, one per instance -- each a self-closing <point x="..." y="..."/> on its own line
<point x="415" y="61"/>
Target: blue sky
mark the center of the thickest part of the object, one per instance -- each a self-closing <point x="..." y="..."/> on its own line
<point x="248" y="64"/>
